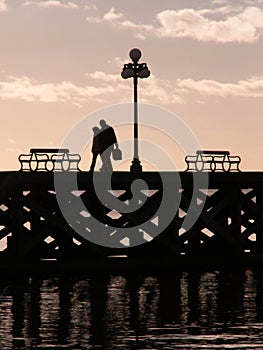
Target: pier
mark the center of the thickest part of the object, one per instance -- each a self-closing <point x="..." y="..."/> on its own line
<point x="228" y="230"/>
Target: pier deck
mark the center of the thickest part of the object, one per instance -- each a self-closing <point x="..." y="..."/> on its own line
<point x="227" y="217"/>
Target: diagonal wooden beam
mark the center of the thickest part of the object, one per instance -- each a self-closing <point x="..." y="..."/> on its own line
<point x="207" y="219"/>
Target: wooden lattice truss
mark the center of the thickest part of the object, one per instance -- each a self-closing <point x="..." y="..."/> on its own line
<point x="33" y="228"/>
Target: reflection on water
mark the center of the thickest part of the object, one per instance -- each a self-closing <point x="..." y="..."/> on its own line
<point x="179" y="310"/>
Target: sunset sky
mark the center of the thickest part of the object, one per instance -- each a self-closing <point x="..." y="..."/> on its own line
<point x="61" y="60"/>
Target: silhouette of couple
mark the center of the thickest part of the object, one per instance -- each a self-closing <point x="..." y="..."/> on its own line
<point x="104" y="140"/>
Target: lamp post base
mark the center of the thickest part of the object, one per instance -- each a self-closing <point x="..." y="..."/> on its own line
<point x="136" y="166"/>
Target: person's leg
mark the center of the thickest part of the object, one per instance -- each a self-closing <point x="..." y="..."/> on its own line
<point x="109" y="160"/>
<point x="93" y="163"/>
<point x="106" y="162"/>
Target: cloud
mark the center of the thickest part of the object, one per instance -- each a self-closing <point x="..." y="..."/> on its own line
<point x="120" y="22"/>
<point x="220" y="10"/>
<point x="90" y="6"/>
<point x="117" y="61"/>
<point x="253" y="2"/>
<point x="160" y="90"/>
<point x="243" y="25"/>
<point x="102" y="76"/>
<point x="51" y="4"/>
<point x="102" y="87"/>
<point x="166" y="91"/>
<point x="153" y="89"/>
<point x="220" y="2"/>
<point x="245" y="2"/>
<point x="252" y="87"/>
<point x="111" y="88"/>
<point x="23" y="88"/>
<point x="175" y="92"/>
<point x="3" y="6"/>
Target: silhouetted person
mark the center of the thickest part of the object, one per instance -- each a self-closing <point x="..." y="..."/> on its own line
<point x="107" y="140"/>
<point x="96" y="147"/>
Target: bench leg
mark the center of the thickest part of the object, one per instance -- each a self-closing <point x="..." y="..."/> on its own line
<point x="189" y="163"/>
<point x="236" y="168"/>
<point x="57" y="165"/>
<point x="74" y="165"/>
<point x="221" y="166"/>
<point x="23" y="164"/>
<point x="42" y="168"/>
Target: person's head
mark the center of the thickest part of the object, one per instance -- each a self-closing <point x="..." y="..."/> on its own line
<point x="96" y="130"/>
<point x="103" y="123"/>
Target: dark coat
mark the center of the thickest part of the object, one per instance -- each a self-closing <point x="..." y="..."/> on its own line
<point x="96" y="147"/>
<point x="107" y="138"/>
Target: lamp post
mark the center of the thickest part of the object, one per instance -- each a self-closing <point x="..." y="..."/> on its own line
<point x="135" y="70"/>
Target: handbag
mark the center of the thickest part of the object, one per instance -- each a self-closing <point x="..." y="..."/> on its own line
<point x="117" y="154"/>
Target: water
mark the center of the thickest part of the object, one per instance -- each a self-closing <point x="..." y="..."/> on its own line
<point x="179" y="310"/>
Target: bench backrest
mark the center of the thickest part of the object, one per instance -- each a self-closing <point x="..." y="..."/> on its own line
<point x="213" y="152"/>
<point x="49" y="150"/>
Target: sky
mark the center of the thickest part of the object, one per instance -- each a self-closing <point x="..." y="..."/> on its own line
<point x="61" y="60"/>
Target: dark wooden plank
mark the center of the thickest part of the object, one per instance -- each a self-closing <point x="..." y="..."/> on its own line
<point x="213" y="152"/>
<point x="49" y="150"/>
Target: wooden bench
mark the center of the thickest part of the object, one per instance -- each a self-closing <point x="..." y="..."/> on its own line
<point x="49" y="159"/>
<point x="210" y="160"/>
<point x="68" y="162"/>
